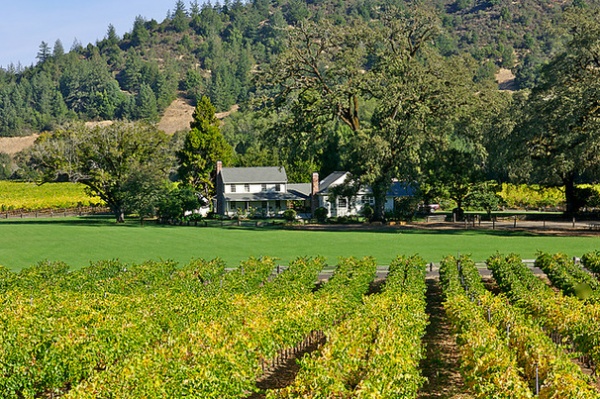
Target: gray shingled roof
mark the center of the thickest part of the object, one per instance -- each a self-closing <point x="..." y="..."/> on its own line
<point x="326" y="182"/>
<point x="300" y="189"/>
<point x="263" y="174"/>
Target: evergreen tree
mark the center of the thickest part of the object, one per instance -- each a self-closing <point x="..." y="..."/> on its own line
<point x="43" y="53"/>
<point x="204" y="145"/>
<point x="58" y="50"/>
<point x="146" y="104"/>
<point x="139" y="34"/>
<point x="180" y="19"/>
<point x="194" y="9"/>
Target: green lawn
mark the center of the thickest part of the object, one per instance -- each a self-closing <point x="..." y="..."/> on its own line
<point x="77" y="241"/>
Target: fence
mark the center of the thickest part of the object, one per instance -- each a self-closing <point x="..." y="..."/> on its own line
<point x="46" y="213"/>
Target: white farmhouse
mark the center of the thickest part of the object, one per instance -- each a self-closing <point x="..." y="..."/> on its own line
<point x="261" y="189"/>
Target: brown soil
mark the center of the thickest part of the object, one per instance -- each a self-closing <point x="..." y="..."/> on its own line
<point x="284" y="373"/>
<point x="12" y="145"/>
<point x="441" y="364"/>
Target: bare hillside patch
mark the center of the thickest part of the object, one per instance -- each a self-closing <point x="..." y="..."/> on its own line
<point x="179" y="114"/>
<point x="92" y="125"/>
<point x="177" y="117"/>
<point x="12" y="145"/>
<point x="506" y="80"/>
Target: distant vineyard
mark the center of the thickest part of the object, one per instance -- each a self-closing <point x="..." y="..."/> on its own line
<point x="31" y="196"/>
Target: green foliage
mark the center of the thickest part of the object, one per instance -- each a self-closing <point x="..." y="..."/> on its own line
<point x="367" y="211"/>
<point x="405" y="208"/>
<point x="531" y="196"/>
<point x="558" y="134"/>
<point x="6" y="166"/>
<point x="224" y="42"/>
<point x="204" y="145"/>
<point x="321" y="214"/>
<point x="570" y="317"/>
<point x="177" y="201"/>
<point x="591" y="261"/>
<point x="485" y="197"/>
<point x="110" y="161"/>
<point x="587" y="196"/>
<point x="146" y="106"/>
<point x="569" y="277"/>
<point x="290" y="215"/>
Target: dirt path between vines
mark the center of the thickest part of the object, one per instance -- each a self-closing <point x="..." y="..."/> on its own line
<point x="441" y="364"/>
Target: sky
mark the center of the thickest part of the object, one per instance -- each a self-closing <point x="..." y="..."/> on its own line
<point x="26" y="23"/>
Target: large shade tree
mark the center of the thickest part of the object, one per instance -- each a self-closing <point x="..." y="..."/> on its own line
<point x="329" y="73"/>
<point x="111" y="161"/>
<point x="316" y="90"/>
<point x="558" y="139"/>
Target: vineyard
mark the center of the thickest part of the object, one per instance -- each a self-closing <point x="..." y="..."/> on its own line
<point x="31" y="197"/>
<point x="203" y="330"/>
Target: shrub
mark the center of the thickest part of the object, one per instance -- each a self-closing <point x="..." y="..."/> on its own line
<point x="290" y="215"/>
<point x="321" y="214"/>
<point x="368" y="212"/>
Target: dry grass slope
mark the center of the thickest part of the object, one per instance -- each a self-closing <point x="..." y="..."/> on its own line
<point x="177" y="117"/>
<point x="12" y="145"/>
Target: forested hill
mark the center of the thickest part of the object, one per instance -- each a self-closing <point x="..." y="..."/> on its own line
<point x="214" y="49"/>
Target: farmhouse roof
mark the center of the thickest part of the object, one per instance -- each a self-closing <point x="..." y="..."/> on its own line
<point x="261" y="174"/>
<point x="401" y="189"/>
<point x="299" y="189"/>
<point x="329" y="180"/>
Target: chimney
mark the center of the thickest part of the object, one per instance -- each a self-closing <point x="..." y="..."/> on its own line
<point x="220" y="197"/>
<point x="314" y="190"/>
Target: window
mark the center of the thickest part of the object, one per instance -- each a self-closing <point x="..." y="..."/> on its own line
<point x="368" y="199"/>
<point x="233" y="188"/>
<point x="263" y="187"/>
<point x="247" y="188"/>
<point x="278" y="187"/>
<point x="342" y="202"/>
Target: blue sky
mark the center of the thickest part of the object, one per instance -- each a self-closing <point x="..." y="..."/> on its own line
<point x="26" y="23"/>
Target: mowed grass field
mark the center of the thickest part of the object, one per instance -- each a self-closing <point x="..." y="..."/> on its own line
<point x="79" y="241"/>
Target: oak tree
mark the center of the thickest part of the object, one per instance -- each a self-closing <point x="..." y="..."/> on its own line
<point x="110" y="161"/>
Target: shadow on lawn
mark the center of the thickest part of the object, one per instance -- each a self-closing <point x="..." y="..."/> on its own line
<point x="109" y="221"/>
<point x="90" y="220"/>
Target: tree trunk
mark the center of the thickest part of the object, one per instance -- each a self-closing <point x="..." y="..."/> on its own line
<point x="379" y="191"/>
<point x="119" y="213"/>
<point x="570" y="197"/>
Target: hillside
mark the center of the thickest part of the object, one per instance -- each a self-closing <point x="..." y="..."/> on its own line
<point x="214" y="50"/>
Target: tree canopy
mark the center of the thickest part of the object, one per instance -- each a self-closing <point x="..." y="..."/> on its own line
<point x="113" y="162"/>
<point x="203" y="146"/>
<point x="558" y="137"/>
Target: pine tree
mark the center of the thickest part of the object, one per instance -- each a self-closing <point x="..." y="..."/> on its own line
<point x="44" y="53"/>
<point x="180" y="19"/>
<point x="204" y="145"/>
<point x="146" y="104"/>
